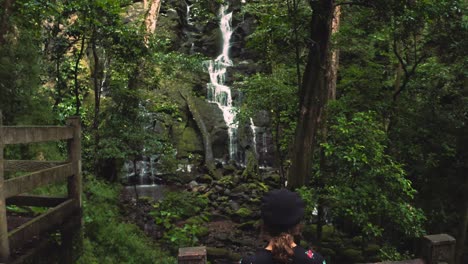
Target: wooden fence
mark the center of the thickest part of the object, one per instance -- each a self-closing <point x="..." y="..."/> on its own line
<point x="40" y="173"/>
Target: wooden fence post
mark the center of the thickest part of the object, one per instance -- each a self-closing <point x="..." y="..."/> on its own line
<point x="74" y="156"/>
<point x="4" y="245"/>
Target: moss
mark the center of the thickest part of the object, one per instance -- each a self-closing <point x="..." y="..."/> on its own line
<point x="241" y="188"/>
<point x="310" y="232"/>
<point x="244" y="212"/>
<point x="353" y="255"/>
<point x="328" y="230"/>
<point x="189" y="142"/>
<point x="327" y="252"/>
<point x="249" y="225"/>
<point x="372" y="250"/>
<point x="226" y="181"/>
<point x="251" y="168"/>
<point x="222" y="252"/>
<point x="357" y="241"/>
<point x="205" y="178"/>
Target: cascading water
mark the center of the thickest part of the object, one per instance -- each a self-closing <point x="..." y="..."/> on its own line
<point x="218" y="92"/>
<point x="254" y="136"/>
<point x="189" y="18"/>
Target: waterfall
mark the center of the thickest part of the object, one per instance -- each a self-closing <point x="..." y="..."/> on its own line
<point x="254" y="136"/>
<point x="218" y="92"/>
<point x="189" y="19"/>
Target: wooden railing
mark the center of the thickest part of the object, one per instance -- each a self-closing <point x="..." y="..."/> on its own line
<point x="41" y="173"/>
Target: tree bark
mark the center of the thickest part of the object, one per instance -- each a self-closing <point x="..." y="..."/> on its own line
<point x="332" y="75"/>
<point x="97" y="100"/>
<point x="313" y="94"/>
<point x="77" y="86"/>
<point x="4" y="23"/>
<point x="151" y="19"/>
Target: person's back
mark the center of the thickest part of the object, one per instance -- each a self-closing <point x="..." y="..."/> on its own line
<point x="301" y="256"/>
<point x="282" y="211"/>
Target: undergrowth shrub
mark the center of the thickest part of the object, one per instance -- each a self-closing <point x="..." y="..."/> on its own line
<point x="107" y="238"/>
<point x="181" y="216"/>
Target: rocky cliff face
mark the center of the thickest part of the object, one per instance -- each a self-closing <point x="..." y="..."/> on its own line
<point x="193" y="27"/>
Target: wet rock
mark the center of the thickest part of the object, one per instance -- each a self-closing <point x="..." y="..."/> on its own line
<point x="193" y="184"/>
<point x="234" y="206"/>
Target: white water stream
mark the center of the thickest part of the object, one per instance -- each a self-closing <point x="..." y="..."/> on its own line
<point x="218" y="92"/>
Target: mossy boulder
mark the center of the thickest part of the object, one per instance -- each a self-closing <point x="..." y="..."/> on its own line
<point x="205" y="178"/>
<point x="251" y="168"/>
<point x="372" y="250"/>
<point x="226" y="181"/>
<point x="249" y="225"/>
<point x="328" y="252"/>
<point x="244" y="212"/>
<point x="222" y="253"/>
<point x="352" y="255"/>
<point x="240" y="189"/>
<point x="357" y="241"/>
<point x="189" y="142"/>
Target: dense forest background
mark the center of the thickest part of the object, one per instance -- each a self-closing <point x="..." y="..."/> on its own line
<point x="366" y="104"/>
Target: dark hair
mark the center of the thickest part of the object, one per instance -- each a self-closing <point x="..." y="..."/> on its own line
<point x="281" y="241"/>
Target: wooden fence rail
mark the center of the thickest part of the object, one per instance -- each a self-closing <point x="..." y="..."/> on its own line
<point x="41" y="173"/>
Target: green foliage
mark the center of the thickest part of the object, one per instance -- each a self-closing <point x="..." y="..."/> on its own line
<point x="276" y="94"/>
<point x="367" y="185"/>
<point x="309" y="196"/>
<point x="389" y="253"/>
<point x="177" y="206"/>
<point x="108" y="239"/>
<point x="274" y="38"/>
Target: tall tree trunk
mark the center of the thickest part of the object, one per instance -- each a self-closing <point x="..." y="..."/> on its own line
<point x="77" y="86"/>
<point x="332" y="74"/>
<point x="4" y="22"/>
<point x="313" y="94"/>
<point x="97" y="99"/>
<point x="292" y="10"/>
<point x="151" y="19"/>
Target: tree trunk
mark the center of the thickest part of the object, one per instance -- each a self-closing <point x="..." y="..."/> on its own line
<point x="313" y="94"/>
<point x="5" y="23"/>
<point x="332" y="75"/>
<point x="77" y="86"/>
<point x="97" y="100"/>
<point x="151" y="19"/>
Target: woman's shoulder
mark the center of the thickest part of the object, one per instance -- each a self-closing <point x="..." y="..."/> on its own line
<point x="309" y="256"/>
<point x="260" y="257"/>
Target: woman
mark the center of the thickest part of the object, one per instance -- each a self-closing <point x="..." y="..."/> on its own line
<point x="282" y="212"/>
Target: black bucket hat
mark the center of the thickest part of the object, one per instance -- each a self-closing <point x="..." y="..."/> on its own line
<point x="282" y="209"/>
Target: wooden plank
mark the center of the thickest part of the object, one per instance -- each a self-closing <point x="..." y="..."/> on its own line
<point x="192" y="255"/>
<point x="74" y="156"/>
<point x="33" y="180"/>
<point x="4" y="247"/>
<point x="35" y="200"/>
<point x="21" y="135"/>
<point x="30" y="165"/>
<point x="45" y="222"/>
